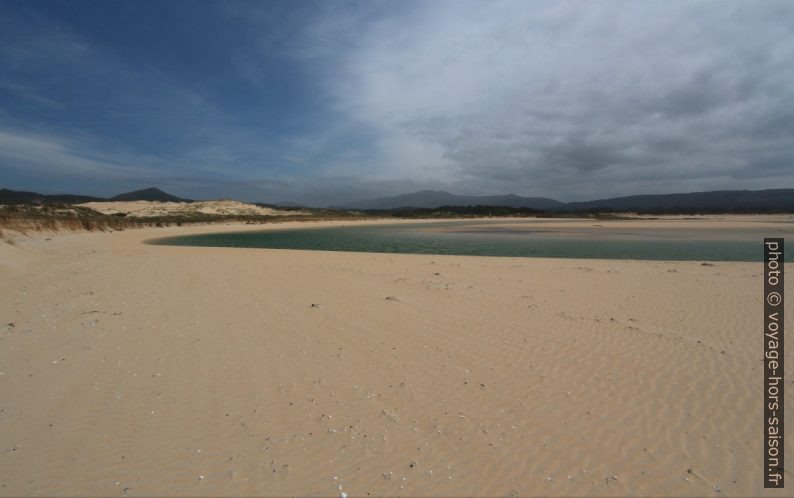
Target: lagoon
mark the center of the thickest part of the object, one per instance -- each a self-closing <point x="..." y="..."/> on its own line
<point x="588" y="239"/>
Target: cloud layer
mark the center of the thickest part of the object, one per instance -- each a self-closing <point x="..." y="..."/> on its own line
<point x="583" y="99"/>
<point x="323" y="102"/>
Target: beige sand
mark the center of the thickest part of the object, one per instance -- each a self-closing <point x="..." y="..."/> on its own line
<point x="148" y="209"/>
<point x="134" y="369"/>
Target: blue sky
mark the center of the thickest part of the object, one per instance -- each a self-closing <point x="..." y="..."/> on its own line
<point x="329" y="101"/>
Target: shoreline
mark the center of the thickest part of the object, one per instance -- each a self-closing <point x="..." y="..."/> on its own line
<point x="660" y="221"/>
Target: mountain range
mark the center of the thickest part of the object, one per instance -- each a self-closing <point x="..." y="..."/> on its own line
<point x="148" y="194"/>
<point x="436" y="198"/>
<point x="720" y="200"/>
<point x="776" y="199"/>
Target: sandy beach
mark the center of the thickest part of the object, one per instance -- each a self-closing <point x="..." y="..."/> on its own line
<point x="129" y="369"/>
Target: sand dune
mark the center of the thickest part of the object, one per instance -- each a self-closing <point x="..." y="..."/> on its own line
<point x="131" y="369"/>
<point x="147" y="209"/>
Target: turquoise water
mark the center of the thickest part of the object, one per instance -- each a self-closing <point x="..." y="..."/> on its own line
<point x="431" y="239"/>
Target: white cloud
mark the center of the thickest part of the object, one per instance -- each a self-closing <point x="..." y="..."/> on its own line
<point x="567" y="98"/>
<point x="49" y="154"/>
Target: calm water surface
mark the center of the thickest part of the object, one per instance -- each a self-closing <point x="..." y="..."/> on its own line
<point x="476" y="238"/>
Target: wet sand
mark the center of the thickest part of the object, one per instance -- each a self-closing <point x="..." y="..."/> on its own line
<point x="712" y="227"/>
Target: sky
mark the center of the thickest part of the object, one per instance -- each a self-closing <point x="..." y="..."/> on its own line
<point x="324" y="102"/>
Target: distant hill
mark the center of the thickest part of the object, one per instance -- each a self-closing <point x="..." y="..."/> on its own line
<point x="148" y="194"/>
<point x="773" y="199"/>
<point x="715" y="201"/>
<point x="11" y="197"/>
<point x="436" y="198"/>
